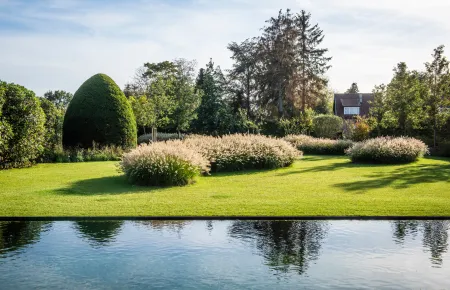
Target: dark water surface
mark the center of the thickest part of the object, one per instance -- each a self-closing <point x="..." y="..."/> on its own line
<point x="225" y="255"/>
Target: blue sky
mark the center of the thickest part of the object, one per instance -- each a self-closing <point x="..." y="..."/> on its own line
<point x="57" y="44"/>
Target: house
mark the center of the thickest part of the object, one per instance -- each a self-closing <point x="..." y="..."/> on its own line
<point x="349" y="105"/>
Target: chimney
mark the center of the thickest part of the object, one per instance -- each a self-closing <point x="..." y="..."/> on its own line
<point x="360" y="99"/>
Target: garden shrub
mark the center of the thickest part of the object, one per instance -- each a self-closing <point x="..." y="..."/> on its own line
<point x="107" y="153"/>
<point x="53" y="128"/>
<point x="327" y="126"/>
<point x="388" y="150"/>
<point x="321" y="146"/>
<point x="147" y="138"/>
<point x="100" y="113"/>
<point x="21" y="126"/>
<point x="163" y="164"/>
<point x="239" y="152"/>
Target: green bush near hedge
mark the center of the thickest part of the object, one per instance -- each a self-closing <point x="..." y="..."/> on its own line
<point x="21" y="126"/>
<point x="320" y="146"/>
<point x="327" y="126"/>
<point x="99" y="112"/>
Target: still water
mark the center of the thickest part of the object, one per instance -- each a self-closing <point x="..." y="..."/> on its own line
<point x="225" y="255"/>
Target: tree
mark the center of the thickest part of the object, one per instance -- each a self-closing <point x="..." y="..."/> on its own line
<point x="438" y="81"/>
<point x="213" y="115"/>
<point x="54" y="117"/>
<point x="291" y="63"/>
<point x="186" y="97"/>
<point x="21" y="126"/>
<point x="242" y="76"/>
<point x="353" y="89"/>
<point x="99" y="113"/>
<point x="378" y="106"/>
<point x="60" y="99"/>
<point x="404" y="98"/>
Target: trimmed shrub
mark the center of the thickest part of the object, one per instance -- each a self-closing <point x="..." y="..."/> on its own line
<point x="163" y="164"/>
<point x="21" y="126"/>
<point x="100" y="113"/>
<point x="107" y="153"/>
<point x="388" y="150"/>
<point x="239" y="152"/>
<point x="147" y="138"/>
<point x="327" y="126"/>
<point x="321" y="146"/>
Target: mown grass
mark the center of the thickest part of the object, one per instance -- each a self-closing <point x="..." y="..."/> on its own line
<point x="314" y="186"/>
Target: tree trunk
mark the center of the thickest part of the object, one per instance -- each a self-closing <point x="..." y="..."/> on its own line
<point x="154" y="134"/>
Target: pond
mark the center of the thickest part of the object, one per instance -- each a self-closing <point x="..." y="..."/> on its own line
<point x="225" y="254"/>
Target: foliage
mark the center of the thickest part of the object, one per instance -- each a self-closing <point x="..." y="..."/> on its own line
<point x="106" y="153"/>
<point x="186" y="97"/>
<point x="239" y="152"/>
<point x="437" y="97"/>
<point x="59" y="98"/>
<point x="293" y="126"/>
<point x="100" y="113"/>
<point x="214" y="116"/>
<point x="321" y="146"/>
<point x="353" y="89"/>
<point x="147" y="138"/>
<point x="54" y="117"/>
<point x="388" y="150"/>
<point x="327" y="126"/>
<point x="358" y="129"/>
<point x="163" y="164"/>
<point x="443" y="149"/>
<point x="21" y="126"/>
<point x="291" y="64"/>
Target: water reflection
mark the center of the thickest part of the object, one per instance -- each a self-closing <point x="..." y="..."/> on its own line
<point x="15" y="235"/>
<point x="285" y="245"/>
<point x="434" y="236"/>
<point x="172" y="225"/>
<point x="98" y="233"/>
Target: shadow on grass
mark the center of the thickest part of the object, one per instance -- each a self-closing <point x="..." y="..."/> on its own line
<point x="402" y="177"/>
<point x="110" y="185"/>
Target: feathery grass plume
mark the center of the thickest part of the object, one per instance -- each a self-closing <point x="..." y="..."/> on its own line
<point x="239" y="152"/>
<point x="322" y="146"/>
<point x="388" y="150"/>
<point x="163" y="164"/>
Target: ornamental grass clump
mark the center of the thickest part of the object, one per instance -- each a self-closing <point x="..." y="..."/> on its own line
<point x="163" y="164"/>
<point x="388" y="150"/>
<point x="240" y="152"/>
<point x="321" y="146"/>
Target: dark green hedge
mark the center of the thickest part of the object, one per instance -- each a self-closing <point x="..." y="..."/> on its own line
<point x="99" y="112"/>
<point x="21" y="126"/>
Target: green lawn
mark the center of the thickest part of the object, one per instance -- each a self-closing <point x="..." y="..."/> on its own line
<point x="314" y="186"/>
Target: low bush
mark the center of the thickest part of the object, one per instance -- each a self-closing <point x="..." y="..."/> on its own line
<point x="163" y="164"/>
<point x="59" y="155"/>
<point x="239" y="152"/>
<point x="147" y="138"/>
<point x="321" y="146"/>
<point x="327" y="126"/>
<point x="388" y="150"/>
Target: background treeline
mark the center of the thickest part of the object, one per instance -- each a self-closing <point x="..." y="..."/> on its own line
<point x="276" y="86"/>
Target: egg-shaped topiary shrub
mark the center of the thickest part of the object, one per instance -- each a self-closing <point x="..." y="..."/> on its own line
<point x="387" y="150"/>
<point x="99" y="113"/>
<point x="163" y="164"/>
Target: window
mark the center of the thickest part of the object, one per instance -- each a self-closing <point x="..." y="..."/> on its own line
<point x="351" y="110"/>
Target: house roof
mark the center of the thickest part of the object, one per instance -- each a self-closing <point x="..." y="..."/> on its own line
<point x="350" y="102"/>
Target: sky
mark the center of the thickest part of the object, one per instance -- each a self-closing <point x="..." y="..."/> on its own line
<point x="58" y="44"/>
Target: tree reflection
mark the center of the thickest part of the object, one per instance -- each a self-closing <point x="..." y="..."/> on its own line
<point x="434" y="236"/>
<point x="170" y="225"/>
<point x="99" y="233"/>
<point x="16" y="235"/>
<point x="285" y="245"/>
